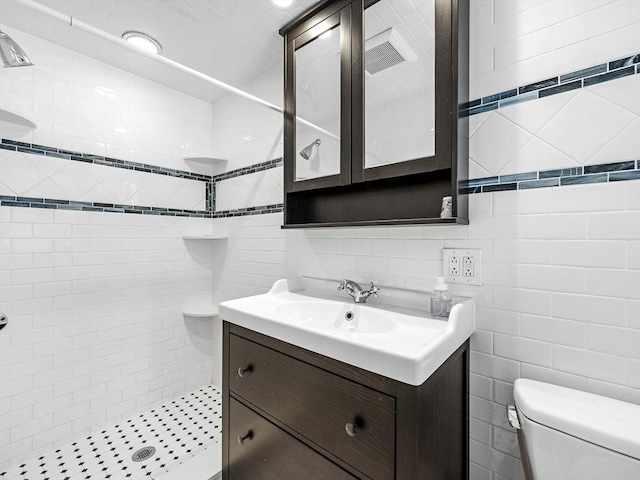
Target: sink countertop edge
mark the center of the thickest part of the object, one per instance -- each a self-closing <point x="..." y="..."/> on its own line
<point x="408" y="368"/>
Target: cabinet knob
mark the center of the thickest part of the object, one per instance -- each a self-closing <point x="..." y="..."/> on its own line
<point x="243" y="370"/>
<point x="246" y="436"/>
<point x="351" y="429"/>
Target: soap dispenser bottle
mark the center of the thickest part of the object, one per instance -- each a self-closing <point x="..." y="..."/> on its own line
<point x="440" y="299"/>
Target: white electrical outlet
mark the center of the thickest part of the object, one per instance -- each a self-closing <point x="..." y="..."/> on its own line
<point x="467" y="266"/>
<point x="454" y="266"/>
<point x="462" y="266"/>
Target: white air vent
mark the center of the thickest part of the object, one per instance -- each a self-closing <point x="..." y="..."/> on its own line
<point x="386" y="50"/>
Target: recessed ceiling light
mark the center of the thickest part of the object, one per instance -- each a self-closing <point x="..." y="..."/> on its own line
<point x="142" y="41"/>
<point x="282" y="3"/>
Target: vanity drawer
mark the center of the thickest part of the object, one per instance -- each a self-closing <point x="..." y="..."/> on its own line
<point x="346" y="419"/>
<point x="258" y="450"/>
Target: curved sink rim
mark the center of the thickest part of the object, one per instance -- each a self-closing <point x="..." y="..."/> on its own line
<point x="410" y="353"/>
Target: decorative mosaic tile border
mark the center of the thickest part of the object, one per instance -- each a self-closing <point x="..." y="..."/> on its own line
<point x="210" y="197"/>
<point x="210" y="193"/>
<point x="53" y="204"/>
<point x="585" y="77"/>
<point x="35" y="149"/>
<point x="241" y="212"/>
<point x="601" y="173"/>
<point x="258" y="167"/>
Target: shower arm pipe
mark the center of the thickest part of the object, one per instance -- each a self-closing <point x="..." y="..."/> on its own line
<point x="164" y="60"/>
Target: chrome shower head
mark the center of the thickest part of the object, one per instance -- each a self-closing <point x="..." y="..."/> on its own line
<point x="11" y="53"/>
<point x="308" y="150"/>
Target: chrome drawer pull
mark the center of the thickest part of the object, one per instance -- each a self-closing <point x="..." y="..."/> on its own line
<point x="351" y="429"/>
<point x="246" y="436"/>
<point x="242" y="371"/>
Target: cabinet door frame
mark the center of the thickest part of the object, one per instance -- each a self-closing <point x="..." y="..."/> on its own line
<point x="445" y="115"/>
<point x="352" y="128"/>
<point x="408" y="192"/>
<point x="339" y="14"/>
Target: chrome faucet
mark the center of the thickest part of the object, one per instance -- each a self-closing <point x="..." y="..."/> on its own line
<point x="357" y="293"/>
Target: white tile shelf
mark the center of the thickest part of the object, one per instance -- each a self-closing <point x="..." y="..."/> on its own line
<point x="203" y="237"/>
<point x="202" y="159"/>
<point x="15" y="118"/>
<point x="208" y="165"/>
<point x="200" y="310"/>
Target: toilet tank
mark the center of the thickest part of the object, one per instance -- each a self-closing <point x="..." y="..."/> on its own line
<point x="569" y="434"/>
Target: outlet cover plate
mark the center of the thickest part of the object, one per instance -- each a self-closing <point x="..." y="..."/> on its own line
<point x="448" y="258"/>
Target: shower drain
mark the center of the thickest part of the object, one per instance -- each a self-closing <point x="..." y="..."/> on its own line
<point x="143" y="454"/>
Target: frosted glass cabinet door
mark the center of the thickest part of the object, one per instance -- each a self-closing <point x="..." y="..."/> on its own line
<point x="399" y="81"/>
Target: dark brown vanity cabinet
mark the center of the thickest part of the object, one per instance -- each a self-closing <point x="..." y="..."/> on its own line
<point x="371" y="127"/>
<point x="269" y="453"/>
<point x="289" y="413"/>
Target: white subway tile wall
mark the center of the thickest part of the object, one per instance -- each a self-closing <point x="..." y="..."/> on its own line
<point x="247" y="133"/>
<point x="94" y="300"/>
<point x="95" y="330"/>
<point x="83" y="105"/>
<point x="520" y="42"/>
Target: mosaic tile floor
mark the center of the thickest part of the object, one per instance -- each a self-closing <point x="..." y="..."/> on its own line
<point x="178" y="430"/>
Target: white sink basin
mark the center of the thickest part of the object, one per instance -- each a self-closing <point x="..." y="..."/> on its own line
<point x="337" y="316"/>
<point x="404" y="345"/>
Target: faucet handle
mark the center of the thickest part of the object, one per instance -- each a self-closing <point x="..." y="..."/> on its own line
<point x="343" y="283"/>
<point x="373" y="290"/>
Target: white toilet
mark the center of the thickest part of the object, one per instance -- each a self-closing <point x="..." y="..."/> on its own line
<point x="568" y="434"/>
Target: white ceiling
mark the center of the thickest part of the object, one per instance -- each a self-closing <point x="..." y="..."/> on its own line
<point x="230" y="40"/>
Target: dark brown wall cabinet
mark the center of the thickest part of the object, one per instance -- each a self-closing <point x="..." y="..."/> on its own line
<point x="371" y="128"/>
<point x="289" y="413"/>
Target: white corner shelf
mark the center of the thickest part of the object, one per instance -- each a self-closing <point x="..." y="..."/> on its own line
<point x="203" y="237"/>
<point x="207" y="160"/>
<point x="200" y="310"/>
<point x="15" y="118"/>
<point x="206" y="165"/>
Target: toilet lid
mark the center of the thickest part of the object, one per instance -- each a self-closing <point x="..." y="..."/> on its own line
<point x="610" y="423"/>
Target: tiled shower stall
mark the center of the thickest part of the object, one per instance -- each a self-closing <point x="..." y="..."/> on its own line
<point x="95" y="283"/>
